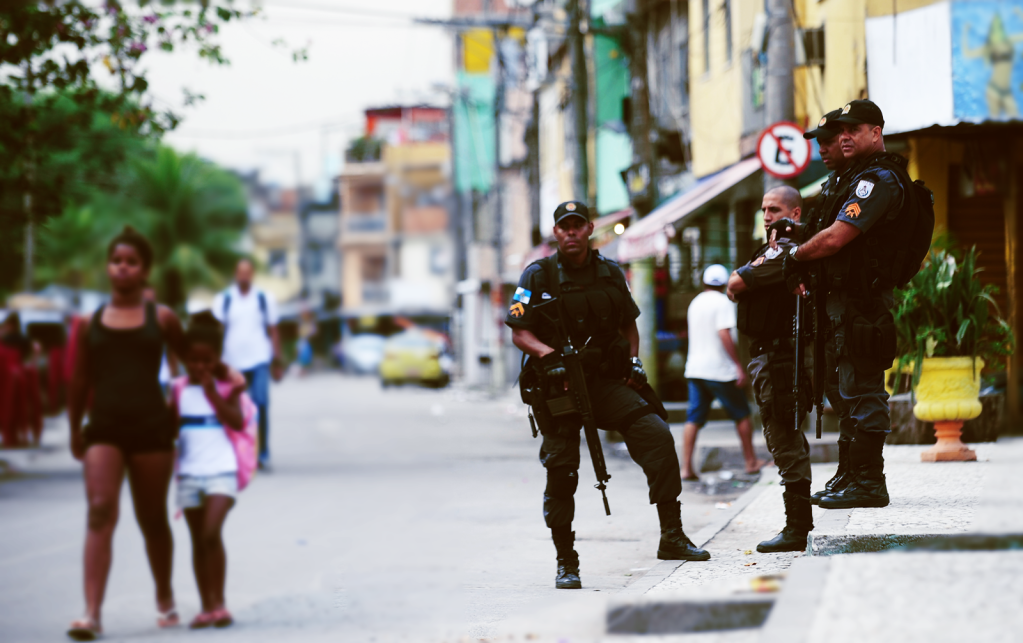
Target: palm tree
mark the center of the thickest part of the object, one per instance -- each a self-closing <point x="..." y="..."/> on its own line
<point x="193" y="213"/>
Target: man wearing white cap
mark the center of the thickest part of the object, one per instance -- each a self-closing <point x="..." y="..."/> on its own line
<point x="714" y="370"/>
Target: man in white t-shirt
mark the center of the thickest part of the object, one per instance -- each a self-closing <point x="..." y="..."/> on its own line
<point x="713" y="369"/>
<point x="251" y="344"/>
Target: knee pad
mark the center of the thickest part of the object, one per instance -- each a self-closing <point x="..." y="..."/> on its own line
<point x="561" y="482"/>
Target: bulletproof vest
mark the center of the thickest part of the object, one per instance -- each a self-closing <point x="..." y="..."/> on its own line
<point x="766" y="313"/>
<point x="593" y="310"/>
<point x="889" y="254"/>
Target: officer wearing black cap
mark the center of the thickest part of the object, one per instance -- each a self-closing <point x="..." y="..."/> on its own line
<point x="834" y="193"/>
<point x="859" y="251"/>
<point x="596" y="297"/>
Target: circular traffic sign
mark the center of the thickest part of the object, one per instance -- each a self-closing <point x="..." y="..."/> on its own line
<point x="782" y="150"/>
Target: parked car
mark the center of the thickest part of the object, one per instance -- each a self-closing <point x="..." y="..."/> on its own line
<point x="362" y="354"/>
<point x="416" y="356"/>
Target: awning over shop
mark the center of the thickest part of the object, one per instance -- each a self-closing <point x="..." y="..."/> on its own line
<point x="648" y="237"/>
<point x="547" y="247"/>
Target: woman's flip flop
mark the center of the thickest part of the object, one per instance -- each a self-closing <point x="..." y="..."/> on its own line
<point x="222" y="618"/>
<point x="202" y="621"/>
<point x="84" y="629"/>
<point x="167" y="619"/>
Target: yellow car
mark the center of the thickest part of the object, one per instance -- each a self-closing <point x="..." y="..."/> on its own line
<point x="415" y="356"/>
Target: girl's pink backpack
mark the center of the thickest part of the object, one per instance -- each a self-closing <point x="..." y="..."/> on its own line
<point x="243" y="441"/>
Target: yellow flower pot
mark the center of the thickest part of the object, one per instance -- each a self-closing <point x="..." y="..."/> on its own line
<point x="948" y="394"/>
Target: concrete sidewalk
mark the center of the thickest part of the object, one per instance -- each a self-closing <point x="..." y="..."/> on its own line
<point x="932" y="566"/>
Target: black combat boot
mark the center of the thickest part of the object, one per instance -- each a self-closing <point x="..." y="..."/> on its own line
<point x="798" y="521"/>
<point x="568" y="559"/>
<point x="675" y="545"/>
<point x="842" y="477"/>
<point x="868" y="487"/>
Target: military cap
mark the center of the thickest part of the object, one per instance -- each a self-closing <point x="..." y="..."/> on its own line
<point x="571" y="209"/>
<point x="861" y="111"/>
<point x="827" y="126"/>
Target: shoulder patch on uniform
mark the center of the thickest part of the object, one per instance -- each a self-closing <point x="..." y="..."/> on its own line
<point x="545" y="295"/>
<point x="852" y="210"/>
<point x="864" y="188"/>
<point x="770" y="254"/>
<point x="517" y="310"/>
<point x="759" y="260"/>
<point x="521" y="294"/>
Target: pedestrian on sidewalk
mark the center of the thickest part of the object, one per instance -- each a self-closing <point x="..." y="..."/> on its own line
<point x="216" y="458"/>
<point x="601" y="322"/>
<point x="871" y="242"/>
<point x="251" y="343"/>
<point x="766" y="313"/>
<point x="714" y="370"/>
<point x="130" y="428"/>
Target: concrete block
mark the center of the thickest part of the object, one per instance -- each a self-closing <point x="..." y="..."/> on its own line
<point x="831" y="544"/>
<point x="665" y="615"/>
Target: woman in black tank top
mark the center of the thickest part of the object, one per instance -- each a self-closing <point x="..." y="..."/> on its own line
<point x="130" y="429"/>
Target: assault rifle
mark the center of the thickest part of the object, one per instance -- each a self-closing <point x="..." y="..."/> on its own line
<point x="578" y="398"/>
<point x="817" y="299"/>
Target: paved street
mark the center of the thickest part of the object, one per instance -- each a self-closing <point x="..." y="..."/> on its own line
<point x="408" y="514"/>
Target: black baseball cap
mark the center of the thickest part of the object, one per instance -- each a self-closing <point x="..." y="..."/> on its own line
<point x="827" y="126"/>
<point x="571" y="209"/>
<point x="858" y="112"/>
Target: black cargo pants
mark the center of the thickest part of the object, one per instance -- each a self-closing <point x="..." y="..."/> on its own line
<point x="648" y="439"/>
<point x="787" y="444"/>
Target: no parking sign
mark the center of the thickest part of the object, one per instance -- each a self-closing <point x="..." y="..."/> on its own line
<point x="782" y="150"/>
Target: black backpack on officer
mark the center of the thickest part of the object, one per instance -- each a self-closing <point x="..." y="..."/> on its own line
<point x="906" y="239"/>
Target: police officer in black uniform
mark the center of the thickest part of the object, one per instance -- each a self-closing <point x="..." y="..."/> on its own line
<point x="766" y="312"/>
<point x="834" y="193"/>
<point x="603" y="315"/>
<point x="859" y="249"/>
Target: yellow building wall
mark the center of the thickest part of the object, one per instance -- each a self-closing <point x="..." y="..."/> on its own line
<point x="715" y="96"/>
<point x="885" y="7"/>
<point x="845" y="45"/>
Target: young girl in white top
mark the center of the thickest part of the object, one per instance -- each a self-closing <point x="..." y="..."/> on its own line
<point x="208" y="407"/>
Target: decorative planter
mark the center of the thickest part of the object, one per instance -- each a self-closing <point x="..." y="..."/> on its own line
<point x="948" y="394"/>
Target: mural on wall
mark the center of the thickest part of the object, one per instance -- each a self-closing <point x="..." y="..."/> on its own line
<point x="987" y="59"/>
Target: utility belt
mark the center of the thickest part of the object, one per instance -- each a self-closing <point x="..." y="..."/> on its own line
<point x="759" y="347"/>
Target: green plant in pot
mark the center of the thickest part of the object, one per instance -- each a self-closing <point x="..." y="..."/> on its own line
<point x="949" y="327"/>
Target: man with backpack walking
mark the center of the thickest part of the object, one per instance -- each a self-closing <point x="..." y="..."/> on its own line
<point x="251" y="343"/>
<point x="872" y="242"/>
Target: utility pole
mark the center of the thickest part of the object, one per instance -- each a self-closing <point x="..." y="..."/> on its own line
<point x="580" y="97"/>
<point x="639" y="102"/>
<point x="497" y="287"/>
<point x="779" y="90"/>
<point x="642" y="273"/>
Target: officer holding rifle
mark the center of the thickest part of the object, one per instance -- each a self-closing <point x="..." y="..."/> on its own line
<point x="574" y="317"/>
<point x="765" y="315"/>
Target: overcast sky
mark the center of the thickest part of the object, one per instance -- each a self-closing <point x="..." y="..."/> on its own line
<point x="265" y="111"/>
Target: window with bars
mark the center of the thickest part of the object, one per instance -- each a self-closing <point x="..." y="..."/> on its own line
<point x="813" y="45"/>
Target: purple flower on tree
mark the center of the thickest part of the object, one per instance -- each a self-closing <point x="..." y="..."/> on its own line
<point x="152" y="19"/>
<point x="138" y="47"/>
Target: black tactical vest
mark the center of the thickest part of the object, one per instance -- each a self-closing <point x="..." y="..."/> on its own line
<point x="593" y="311"/>
<point x="766" y="313"/>
<point x="865" y="266"/>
